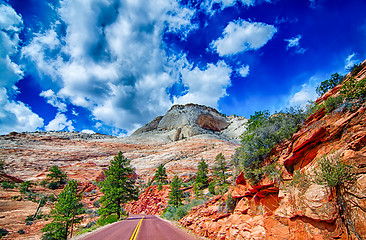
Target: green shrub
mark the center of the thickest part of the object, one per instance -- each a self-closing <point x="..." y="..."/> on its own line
<point x="107" y="220"/>
<point x="353" y="89"/>
<point x="53" y="185"/>
<point x="328" y="84"/>
<point x="43" y="183"/>
<point x="333" y="103"/>
<point x="8" y="185"/>
<point x="263" y="133"/>
<point x="3" y="232"/>
<point x="24" y="187"/>
<point x="334" y="173"/>
<point x="356" y="68"/>
<point x="211" y="187"/>
<point x="230" y="202"/>
<point x="175" y="213"/>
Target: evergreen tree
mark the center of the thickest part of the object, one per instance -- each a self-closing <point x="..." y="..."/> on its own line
<point x="175" y="195"/>
<point x="220" y="168"/>
<point x="57" y="177"/>
<point x="160" y="176"/>
<point x="65" y="213"/>
<point x="201" y="176"/>
<point x="118" y="187"/>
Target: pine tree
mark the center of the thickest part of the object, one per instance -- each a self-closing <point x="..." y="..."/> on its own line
<point x="201" y="176"/>
<point x="65" y="213"/>
<point x="57" y="177"/>
<point x="175" y="195"/>
<point x="160" y="176"/>
<point x="220" y="168"/>
<point x="118" y="187"/>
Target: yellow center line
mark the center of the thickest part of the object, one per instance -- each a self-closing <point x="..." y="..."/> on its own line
<point x="136" y="231"/>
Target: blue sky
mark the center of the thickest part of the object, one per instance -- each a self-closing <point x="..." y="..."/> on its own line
<point x="110" y="66"/>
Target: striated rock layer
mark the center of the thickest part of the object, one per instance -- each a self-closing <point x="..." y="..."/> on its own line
<point x="183" y="121"/>
<point x="294" y="206"/>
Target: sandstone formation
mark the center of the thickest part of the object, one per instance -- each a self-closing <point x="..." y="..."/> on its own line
<point x="83" y="157"/>
<point x="183" y="121"/>
<point x="294" y="206"/>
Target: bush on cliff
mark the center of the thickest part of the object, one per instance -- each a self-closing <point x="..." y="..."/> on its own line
<point x="263" y="133"/>
<point x="328" y="84"/>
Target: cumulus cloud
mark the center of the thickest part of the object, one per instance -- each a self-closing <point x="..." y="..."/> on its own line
<point x="295" y="44"/>
<point x="241" y="35"/>
<point x="54" y="100"/>
<point x="60" y="123"/>
<point x="243" y="71"/>
<point x="205" y="86"/>
<point x="305" y="94"/>
<point x="14" y="115"/>
<point x="111" y="58"/>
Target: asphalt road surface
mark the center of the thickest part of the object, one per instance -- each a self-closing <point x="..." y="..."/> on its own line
<point x="140" y="227"/>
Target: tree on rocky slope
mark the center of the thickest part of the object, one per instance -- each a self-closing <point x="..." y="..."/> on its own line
<point x="57" y="177"/>
<point x="64" y="214"/>
<point x="119" y="187"/>
<point x="201" y="176"/>
<point x="175" y="195"/>
<point x="161" y="176"/>
<point x="220" y="168"/>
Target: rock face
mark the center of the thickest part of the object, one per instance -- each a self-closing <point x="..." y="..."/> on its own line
<point x="28" y="156"/>
<point x="183" y="121"/>
<point x="294" y="206"/>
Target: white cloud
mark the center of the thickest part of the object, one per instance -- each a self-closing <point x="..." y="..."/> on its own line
<point x="243" y="71"/>
<point x="295" y="43"/>
<point x="54" y="100"/>
<point x="240" y="35"/>
<point x="60" y="123"/>
<point x="88" y="131"/>
<point x="305" y="94"/>
<point x="205" y="86"/>
<point x="351" y="61"/>
<point x="14" y="115"/>
<point x="116" y="65"/>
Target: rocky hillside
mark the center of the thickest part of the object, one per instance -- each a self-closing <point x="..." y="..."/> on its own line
<point x="183" y="121"/>
<point x="294" y="205"/>
<point x="28" y="156"/>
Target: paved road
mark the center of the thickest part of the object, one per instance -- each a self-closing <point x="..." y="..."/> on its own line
<point x="140" y="227"/>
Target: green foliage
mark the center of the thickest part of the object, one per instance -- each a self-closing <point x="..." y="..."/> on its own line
<point x="43" y="183"/>
<point x="333" y="103"/>
<point x="263" y="133"/>
<point x="353" y="89"/>
<point x="24" y="187"/>
<point x="334" y="173"/>
<point x="8" y="185"/>
<point x="177" y="212"/>
<point x="119" y="187"/>
<point x="230" y="202"/>
<point x="175" y="195"/>
<point x="211" y="187"/>
<point x="328" y="84"/>
<point x="356" y="68"/>
<point x="65" y="213"/>
<point x="220" y="169"/>
<point x="57" y="177"/>
<point x="3" y="232"/>
<point x="201" y="176"/>
<point x="160" y="176"/>
<point x="104" y="220"/>
<point x="2" y="165"/>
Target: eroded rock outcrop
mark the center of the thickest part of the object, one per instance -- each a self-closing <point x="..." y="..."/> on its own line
<point x="183" y="121"/>
<point x="294" y="206"/>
